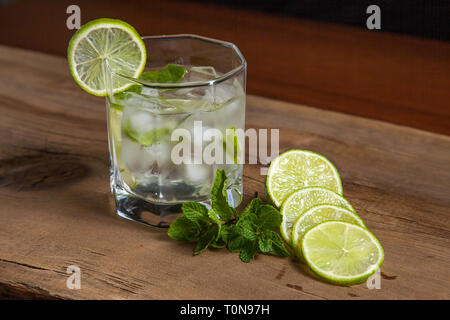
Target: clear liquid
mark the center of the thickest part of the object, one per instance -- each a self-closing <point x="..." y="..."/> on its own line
<point x="140" y="126"/>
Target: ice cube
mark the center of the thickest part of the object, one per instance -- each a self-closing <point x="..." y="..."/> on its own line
<point x="201" y="73"/>
<point x="197" y="173"/>
<point x="135" y="157"/>
<point x="133" y="99"/>
<point x="140" y="121"/>
<point x="160" y="151"/>
<point x="188" y="99"/>
<point x="227" y="91"/>
<point x="149" y="92"/>
<point x="145" y="127"/>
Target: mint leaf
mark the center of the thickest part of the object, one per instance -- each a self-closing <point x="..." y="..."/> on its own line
<point x="236" y="242"/>
<point x="145" y="138"/>
<point x="219" y="199"/>
<point x="225" y="232"/>
<point x="280" y="251"/>
<point x="249" y="233"/>
<point x="214" y="216"/>
<point x="249" y="251"/>
<point x="183" y="229"/>
<point x="170" y="74"/>
<point x="116" y="103"/>
<point x="247" y="229"/>
<point x="278" y="248"/>
<point x="206" y="238"/>
<point x="195" y="212"/>
<point x="252" y="207"/>
<point x="268" y="217"/>
<point x="265" y="244"/>
<point x="134" y="88"/>
<point x="218" y="243"/>
<point x="222" y="237"/>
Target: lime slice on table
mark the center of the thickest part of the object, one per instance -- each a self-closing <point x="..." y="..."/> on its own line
<point x="297" y="169"/>
<point x="303" y="200"/>
<point x="100" y="40"/>
<point x="319" y="214"/>
<point x="342" y="252"/>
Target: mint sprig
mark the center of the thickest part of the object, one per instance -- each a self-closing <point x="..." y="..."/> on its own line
<point x="249" y="233"/>
<point x="170" y="74"/>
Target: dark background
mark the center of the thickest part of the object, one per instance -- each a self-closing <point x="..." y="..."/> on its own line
<point x="315" y="53"/>
<point x="426" y="18"/>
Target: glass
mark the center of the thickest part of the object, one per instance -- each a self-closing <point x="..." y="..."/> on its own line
<point x="147" y="179"/>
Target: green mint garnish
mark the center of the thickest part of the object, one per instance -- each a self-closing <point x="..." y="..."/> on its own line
<point x="122" y="95"/>
<point x="249" y="233"/>
<point x="196" y="212"/>
<point x="146" y="138"/>
<point x="170" y="74"/>
<point x="209" y="235"/>
<point x="184" y="229"/>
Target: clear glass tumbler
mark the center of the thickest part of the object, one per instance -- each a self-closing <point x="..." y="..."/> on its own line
<point x="151" y="126"/>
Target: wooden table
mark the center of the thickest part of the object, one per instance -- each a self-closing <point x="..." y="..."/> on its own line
<point x="56" y="209"/>
<point x="400" y="79"/>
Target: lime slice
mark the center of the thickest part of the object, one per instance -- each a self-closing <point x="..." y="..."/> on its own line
<point x="303" y="200"/>
<point x="115" y="123"/>
<point x="297" y="169"/>
<point x="128" y="178"/>
<point x="100" y="40"/>
<point x="319" y="214"/>
<point x="342" y="252"/>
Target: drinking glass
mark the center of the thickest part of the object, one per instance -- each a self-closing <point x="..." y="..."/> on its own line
<point x="151" y="126"/>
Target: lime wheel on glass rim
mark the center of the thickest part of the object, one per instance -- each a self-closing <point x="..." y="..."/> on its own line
<point x="101" y="42"/>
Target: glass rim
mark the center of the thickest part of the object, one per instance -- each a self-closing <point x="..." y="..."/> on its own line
<point x="192" y="84"/>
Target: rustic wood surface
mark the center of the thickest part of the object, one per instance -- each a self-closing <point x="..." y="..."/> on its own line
<point x="56" y="209"/>
<point x="400" y="79"/>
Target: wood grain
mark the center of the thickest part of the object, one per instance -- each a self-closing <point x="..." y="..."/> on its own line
<point x="400" y="79"/>
<point x="57" y="210"/>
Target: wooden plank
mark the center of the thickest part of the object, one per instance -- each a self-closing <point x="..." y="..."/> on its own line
<point x="57" y="210"/>
<point x="383" y="76"/>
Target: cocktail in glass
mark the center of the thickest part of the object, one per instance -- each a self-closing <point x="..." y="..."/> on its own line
<point x="166" y="140"/>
